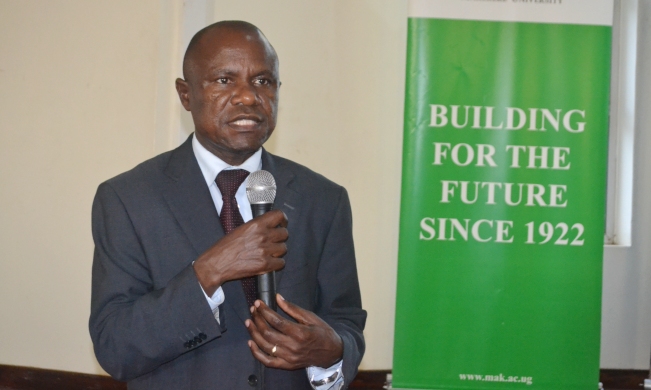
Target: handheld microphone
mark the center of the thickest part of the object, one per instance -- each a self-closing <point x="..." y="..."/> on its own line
<point x="261" y="192"/>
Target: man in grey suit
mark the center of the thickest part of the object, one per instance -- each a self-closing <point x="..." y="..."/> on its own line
<point x="168" y="309"/>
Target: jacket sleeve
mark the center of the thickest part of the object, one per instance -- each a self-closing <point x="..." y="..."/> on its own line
<point x="135" y="328"/>
<point x="339" y="300"/>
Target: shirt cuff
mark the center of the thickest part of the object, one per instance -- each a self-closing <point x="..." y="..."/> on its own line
<point x="214" y="301"/>
<point x="331" y="378"/>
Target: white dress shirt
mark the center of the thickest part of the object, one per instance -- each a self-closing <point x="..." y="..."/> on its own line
<point x="210" y="166"/>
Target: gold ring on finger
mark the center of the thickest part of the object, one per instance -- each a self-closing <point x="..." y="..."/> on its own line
<point x="273" y="350"/>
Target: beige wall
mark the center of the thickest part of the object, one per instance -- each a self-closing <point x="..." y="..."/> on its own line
<point x="77" y="88"/>
<point x="87" y="92"/>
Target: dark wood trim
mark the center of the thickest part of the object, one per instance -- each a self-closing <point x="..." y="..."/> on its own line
<point x="23" y="378"/>
<point x="623" y="379"/>
<point x="370" y="379"/>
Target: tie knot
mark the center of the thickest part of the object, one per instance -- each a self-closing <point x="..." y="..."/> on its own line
<point x="228" y="181"/>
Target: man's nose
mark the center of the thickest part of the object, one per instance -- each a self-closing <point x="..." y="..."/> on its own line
<point x="245" y="94"/>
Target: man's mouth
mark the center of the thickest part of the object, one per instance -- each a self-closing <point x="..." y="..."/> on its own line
<point x="244" y="122"/>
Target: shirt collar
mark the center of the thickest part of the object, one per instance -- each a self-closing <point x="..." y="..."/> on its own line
<point x="211" y="165"/>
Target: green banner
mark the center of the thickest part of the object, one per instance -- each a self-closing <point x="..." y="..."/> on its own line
<point x="503" y="205"/>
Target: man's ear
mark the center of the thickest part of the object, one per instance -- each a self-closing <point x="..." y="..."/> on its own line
<point x="183" y="89"/>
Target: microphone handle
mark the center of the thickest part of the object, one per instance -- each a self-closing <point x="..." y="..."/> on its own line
<point x="266" y="282"/>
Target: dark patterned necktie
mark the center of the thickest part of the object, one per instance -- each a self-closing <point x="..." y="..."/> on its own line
<point x="228" y="181"/>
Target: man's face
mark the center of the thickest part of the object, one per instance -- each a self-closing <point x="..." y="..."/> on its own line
<point x="232" y="91"/>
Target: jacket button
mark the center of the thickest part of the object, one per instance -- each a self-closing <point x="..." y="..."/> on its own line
<point x="253" y="380"/>
<point x="203" y="336"/>
<point x="186" y="345"/>
<point x="198" y="339"/>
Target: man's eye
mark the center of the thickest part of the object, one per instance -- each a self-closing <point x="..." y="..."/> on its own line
<point x="263" y="81"/>
<point x="222" y="80"/>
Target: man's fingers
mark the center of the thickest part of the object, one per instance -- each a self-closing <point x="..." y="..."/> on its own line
<point x="279" y="234"/>
<point x="301" y="315"/>
<point x="268" y="339"/>
<point x="267" y="360"/>
<point x="274" y="320"/>
<point x="275" y="218"/>
<point x="259" y="324"/>
<point x="276" y="263"/>
<point x="311" y="342"/>
<point x="283" y="221"/>
<point x="277" y="248"/>
<point x="256" y="334"/>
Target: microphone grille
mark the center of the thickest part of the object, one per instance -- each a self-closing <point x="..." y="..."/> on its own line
<point x="261" y="187"/>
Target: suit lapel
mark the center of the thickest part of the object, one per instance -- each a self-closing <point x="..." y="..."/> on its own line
<point x="189" y="200"/>
<point x="287" y="199"/>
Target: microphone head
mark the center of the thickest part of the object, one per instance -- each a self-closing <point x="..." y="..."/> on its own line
<point x="261" y="187"/>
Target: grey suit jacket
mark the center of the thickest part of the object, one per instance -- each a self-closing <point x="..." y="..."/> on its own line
<point x="150" y="322"/>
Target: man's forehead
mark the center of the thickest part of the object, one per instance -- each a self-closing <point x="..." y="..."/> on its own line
<point x="233" y="45"/>
<point x="235" y="39"/>
<point x="227" y="41"/>
<point x="229" y="34"/>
